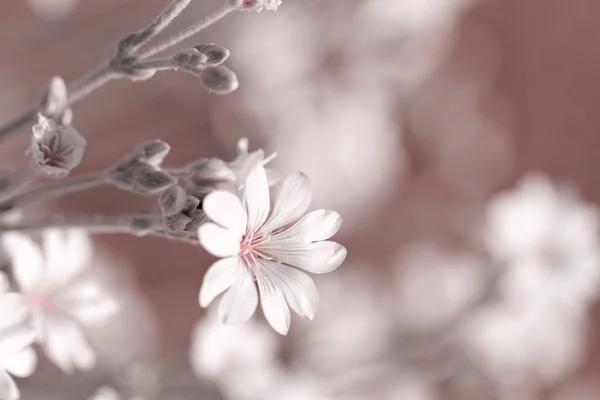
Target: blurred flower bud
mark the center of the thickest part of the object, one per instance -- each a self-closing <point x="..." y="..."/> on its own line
<point x="210" y="171"/>
<point x="255" y="5"/>
<point x="55" y="149"/>
<point x="143" y="224"/>
<point x="219" y="79"/>
<point x="190" y="58"/>
<point x="172" y="200"/>
<point x="182" y="212"/>
<point x="215" y="53"/>
<point x="140" y="171"/>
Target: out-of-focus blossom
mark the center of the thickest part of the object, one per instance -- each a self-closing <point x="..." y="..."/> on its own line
<point x="546" y="243"/>
<point x="241" y="359"/>
<point x="217" y="349"/>
<point x="108" y="393"/>
<point x="433" y="285"/>
<point x="17" y="334"/>
<point x="56" y="149"/>
<point x="53" y="9"/>
<point x="353" y="330"/>
<point x="257" y="245"/>
<point x="549" y="241"/>
<point x="515" y="344"/>
<point x="60" y="297"/>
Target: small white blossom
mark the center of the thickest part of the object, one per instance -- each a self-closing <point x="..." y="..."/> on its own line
<point x="258" y="245"/>
<point x="56" y="149"/>
<point x="17" y="334"/>
<point x="59" y="296"/>
<point x="548" y="240"/>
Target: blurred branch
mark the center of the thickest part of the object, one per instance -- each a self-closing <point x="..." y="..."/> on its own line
<point x="125" y="64"/>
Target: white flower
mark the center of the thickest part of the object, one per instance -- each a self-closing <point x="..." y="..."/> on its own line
<point x="17" y="334"/>
<point x="548" y="241"/>
<point x="516" y="343"/>
<point x="55" y="148"/>
<point x="218" y="349"/>
<point x="257" y="245"/>
<point x="58" y="294"/>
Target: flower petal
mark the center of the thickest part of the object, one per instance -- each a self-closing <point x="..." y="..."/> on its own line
<point x="14" y="310"/>
<point x="292" y="201"/>
<point x="256" y="197"/>
<point x="298" y="288"/>
<point x="273" y="303"/>
<point x="8" y="389"/>
<point x="226" y="209"/>
<point x="88" y="302"/>
<point x="66" y="345"/>
<point x="240" y="301"/>
<point x="314" y="226"/>
<point x="68" y="253"/>
<point x="218" y="241"/>
<point x="27" y="259"/>
<point x="219" y="277"/>
<point x="22" y="363"/>
<point x="318" y="257"/>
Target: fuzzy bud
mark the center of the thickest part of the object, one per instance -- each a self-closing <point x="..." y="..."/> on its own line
<point x="215" y="53"/>
<point x="219" y="79"/>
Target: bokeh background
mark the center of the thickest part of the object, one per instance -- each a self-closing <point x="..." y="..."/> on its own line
<point x="412" y="118"/>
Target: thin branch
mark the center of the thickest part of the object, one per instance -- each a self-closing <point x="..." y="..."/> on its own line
<point x="60" y="188"/>
<point x="20" y="179"/>
<point x="155" y="27"/>
<point x="188" y="32"/>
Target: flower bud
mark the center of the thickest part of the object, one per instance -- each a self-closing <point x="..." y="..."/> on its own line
<point x="215" y="53"/>
<point x="219" y="79"/>
<point x="190" y="58"/>
<point x="55" y="149"/>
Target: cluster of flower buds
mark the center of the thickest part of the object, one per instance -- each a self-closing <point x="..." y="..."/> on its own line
<point x="140" y="171"/>
<point x="205" y="61"/>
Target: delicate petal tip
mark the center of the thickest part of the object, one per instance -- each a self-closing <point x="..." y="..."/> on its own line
<point x="337" y="258"/>
<point x="274" y="306"/>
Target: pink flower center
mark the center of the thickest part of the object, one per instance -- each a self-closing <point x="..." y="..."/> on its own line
<point x="250" y="248"/>
<point x="36" y="300"/>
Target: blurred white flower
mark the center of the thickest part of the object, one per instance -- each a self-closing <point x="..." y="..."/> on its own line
<point x="240" y="359"/>
<point x="55" y="148"/>
<point x="217" y="349"/>
<point x="60" y="297"/>
<point x="433" y="285"/>
<point x="17" y="334"/>
<point x="515" y="344"/>
<point x="108" y="393"/>
<point x="549" y="242"/>
<point x="352" y="332"/>
<point x="258" y="246"/>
